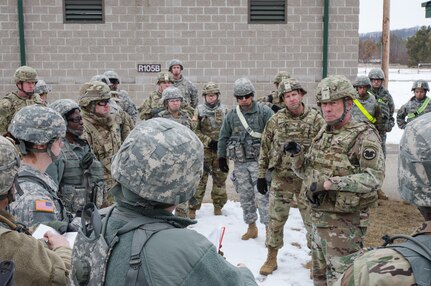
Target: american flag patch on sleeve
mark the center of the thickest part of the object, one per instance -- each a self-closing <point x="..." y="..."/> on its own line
<point x="44" y="206"/>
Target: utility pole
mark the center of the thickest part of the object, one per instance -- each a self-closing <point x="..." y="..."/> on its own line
<point x="386" y="35"/>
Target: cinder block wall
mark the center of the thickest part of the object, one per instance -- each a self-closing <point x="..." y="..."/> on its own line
<point x="211" y="37"/>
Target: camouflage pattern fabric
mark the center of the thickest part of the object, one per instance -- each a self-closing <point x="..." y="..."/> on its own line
<point x="188" y="90"/>
<point x="124" y="123"/>
<point x="126" y="104"/>
<point x="411" y="107"/>
<point x="207" y="128"/>
<point x="370" y="104"/>
<point x="9" y="164"/>
<point x="271" y="99"/>
<point x="151" y="106"/>
<point x="11" y="104"/>
<point x="183" y="118"/>
<point x="280" y="129"/>
<point x="37" y="204"/>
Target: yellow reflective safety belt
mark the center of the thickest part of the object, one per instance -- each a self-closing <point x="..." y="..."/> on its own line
<point x="420" y="109"/>
<point x="364" y="111"/>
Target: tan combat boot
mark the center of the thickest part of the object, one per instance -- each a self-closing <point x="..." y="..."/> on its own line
<point x="381" y="195"/>
<point x="251" y="232"/>
<point x="192" y="214"/>
<point x="271" y="262"/>
<point x="217" y="211"/>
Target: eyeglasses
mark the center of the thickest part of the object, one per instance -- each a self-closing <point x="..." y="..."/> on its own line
<point x="103" y="102"/>
<point x="75" y="119"/>
<point x="242" y="97"/>
<point x="114" y="81"/>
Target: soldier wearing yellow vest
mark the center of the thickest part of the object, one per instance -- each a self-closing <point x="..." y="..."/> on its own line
<point x="365" y="107"/>
<point x="418" y="105"/>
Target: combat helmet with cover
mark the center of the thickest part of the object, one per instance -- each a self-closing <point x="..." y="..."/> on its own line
<point x="281" y="75"/>
<point x="92" y="92"/>
<point x="64" y="106"/>
<point x="376" y="73"/>
<point x="102" y="78"/>
<point x="420" y="83"/>
<point x="333" y="88"/>
<point x="174" y="62"/>
<point x="288" y="85"/>
<point x="9" y="165"/>
<point x="362" y="80"/>
<point x="414" y="163"/>
<point x="242" y="87"/>
<point x="164" y="76"/>
<point x="25" y="74"/>
<point x="112" y="76"/>
<point x="41" y="87"/>
<point x="210" y="88"/>
<point x="171" y="93"/>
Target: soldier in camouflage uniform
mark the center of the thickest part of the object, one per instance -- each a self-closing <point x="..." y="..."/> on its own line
<point x="124" y="100"/>
<point x="77" y="171"/>
<point x="404" y="263"/>
<point x="365" y="107"/>
<point x="100" y="128"/>
<point x="273" y="100"/>
<point x="124" y="122"/>
<point x="172" y="99"/>
<point x="39" y="131"/>
<point x="153" y="104"/>
<point x="25" y="80"/>
<point x="296" y="122"/>
<point x="187" y="88"/>
<point x="342" y="172"/>
<point x="209" y="118"/>
<point x="416" y="106"/>
<point x="36" y="262"/>
<point x="242" y="144"/>
<point x="43" y="90"/>
<point x="386" y="103"/>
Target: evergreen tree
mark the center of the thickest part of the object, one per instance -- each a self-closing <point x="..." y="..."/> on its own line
<point x="419" y="46"/>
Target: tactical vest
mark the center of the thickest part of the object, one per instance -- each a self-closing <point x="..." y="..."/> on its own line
<point x="211" y="119"/>
<point x="329" y="157"/>
<point x="182" y="119"/>
<point x="241" y="147"/>
<point x="370" y="104"/>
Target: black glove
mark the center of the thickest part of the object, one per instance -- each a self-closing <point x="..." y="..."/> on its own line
<point x="222" y="164"/>
<point x="275" y="108"/>
<point x="156" y="111"/>
<point x="270" y="98"/>
<point x="87" y="160"/>
<point x="213" y="145"/>
<point x="262" y="186"/>
<point x="292" y="147"/>
<point x="314" y="191"/>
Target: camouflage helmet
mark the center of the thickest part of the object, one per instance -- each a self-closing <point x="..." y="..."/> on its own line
<point x="243" y="86"/>
<point x="25" y="74"/>
<point x="9" y="165"/>
<point x="174" y="62"/>
<point x="376" y="73"/>
<point x="210" y="88"/>
<point x="334" y="87"/>
<point x="280" y="76"/>
<point x="37" y="124"/>
<point x="161" y="161"/>
<point x="164" y="76"/>
<point x="102" y="78"/>
<point x="112" y="76"/>
<point x="362" y="80"/>
<point x="171" y="93"/>
<point x="414" y="162"/>
<point x="420" y="83"/>
<point x="64" y="106"/>
<point x="93" y="91"/>
<point x="41" y="87"/>
<point x="288" y="85"/>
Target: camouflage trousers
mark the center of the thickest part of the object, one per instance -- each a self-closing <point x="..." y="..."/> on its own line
<point x="383" y="143"/>
<point x="332" y="246"/>
<point x="282" y="195"/>
<point x="182" y="210"/>
<point x="245" y="180"/>
<point x="218" y="190"/>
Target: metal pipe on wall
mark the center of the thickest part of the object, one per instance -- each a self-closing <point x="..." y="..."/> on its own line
<point x="21" y="32"/>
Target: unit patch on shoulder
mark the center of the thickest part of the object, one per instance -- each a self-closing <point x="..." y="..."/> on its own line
<point x="369" y="153"/>
<point x="44" y="206"/>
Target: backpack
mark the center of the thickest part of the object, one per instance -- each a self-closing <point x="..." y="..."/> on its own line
<point x="92" y="247"/>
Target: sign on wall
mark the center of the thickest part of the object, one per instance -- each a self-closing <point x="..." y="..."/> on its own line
<point x="149" y="68"/>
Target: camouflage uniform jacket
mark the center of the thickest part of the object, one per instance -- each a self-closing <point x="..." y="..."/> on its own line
<point x="11" y="104"/>
<point x="105" y="140"/>
<point x="209" y="121"/>
<point x="124" y="121"/>
<point x="282" y="128"/>
<point x="188" y="90"/>
<point x="151" y="106"/>
<point x="37" y="204"/>
<point x="35" y="264"/>
<point x="126" y="104"/>
<point x="382" y="266"/>
<point x="79" y="175"/>
<point x="183" y="117"/>
<point x="370" y="104"/>
<point x="234" y="138"/>
<point x="271" y="99"/>
<point x="410" y="110"/>
<point x="352" y="159"/>
<point x="387" y="108"/>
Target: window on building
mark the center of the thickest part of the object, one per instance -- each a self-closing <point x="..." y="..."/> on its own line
<point x="83" y="11"/>
<point x="267" y="11"/>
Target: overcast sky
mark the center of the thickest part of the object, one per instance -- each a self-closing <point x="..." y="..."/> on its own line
<point x="404" y="14"/>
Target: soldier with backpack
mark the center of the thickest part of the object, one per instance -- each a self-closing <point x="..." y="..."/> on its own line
<point x="406" y="263"/>
<point x="140" y="241"/>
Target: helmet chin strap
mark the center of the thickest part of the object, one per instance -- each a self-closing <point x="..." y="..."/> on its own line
<point x="342" y="117"/>
<point x="27" y="93"/>
<point x="212" y="105"/>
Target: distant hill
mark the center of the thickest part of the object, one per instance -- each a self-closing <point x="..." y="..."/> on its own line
<point x="401" y="33"/>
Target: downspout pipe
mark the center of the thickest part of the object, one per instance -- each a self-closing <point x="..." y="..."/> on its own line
<point x="21" y="33"/>
<point x="325" y="38"/>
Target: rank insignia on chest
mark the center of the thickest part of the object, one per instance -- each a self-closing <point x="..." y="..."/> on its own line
<point x="369" y="154"/>
<point x="44" y="206"/>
